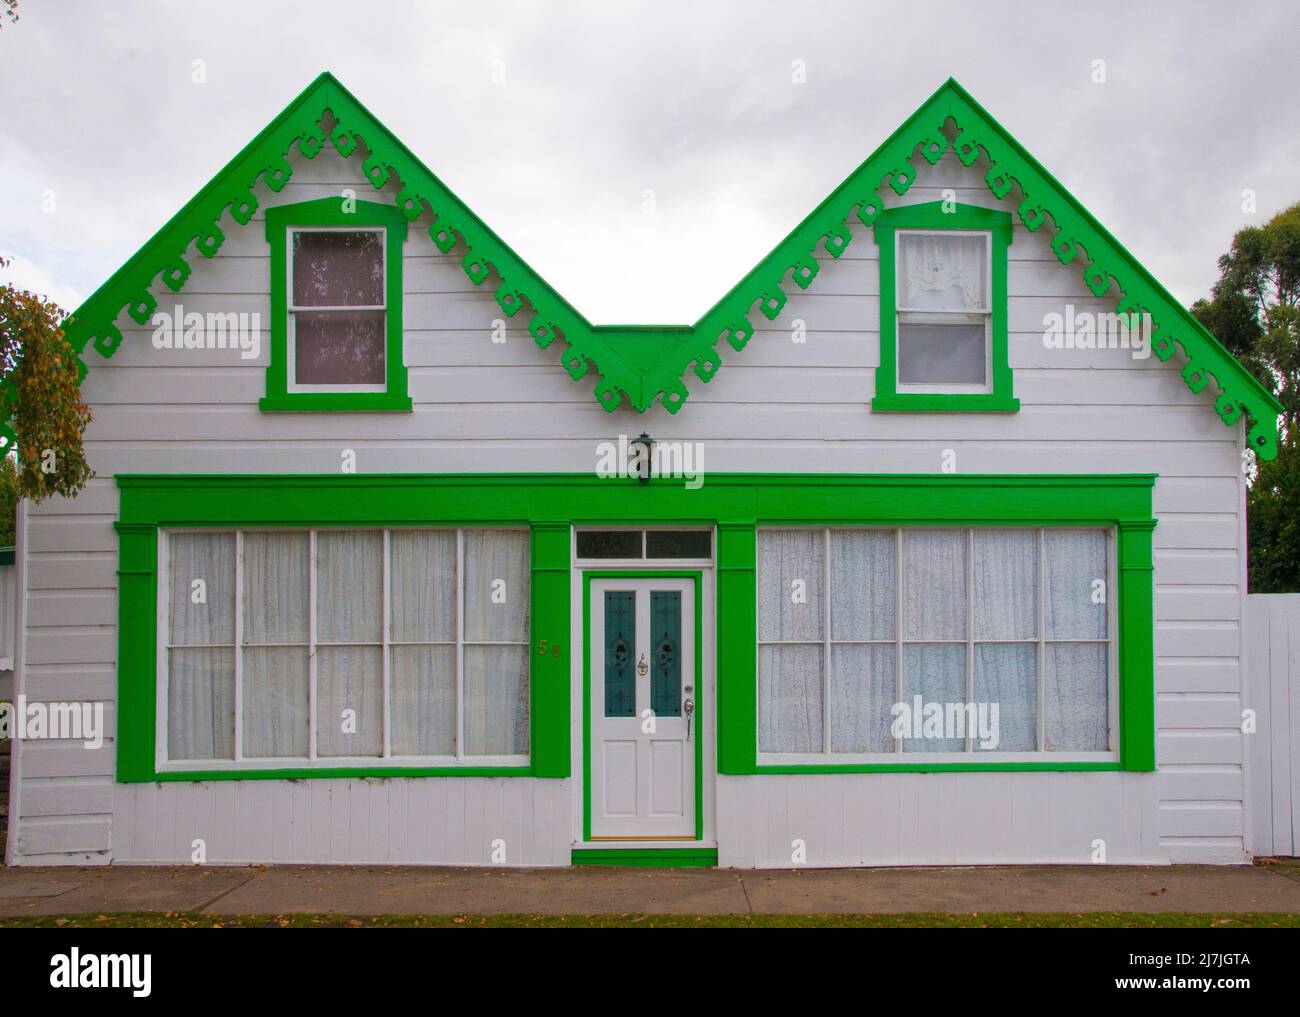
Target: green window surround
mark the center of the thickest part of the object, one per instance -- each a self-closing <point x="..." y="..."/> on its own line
<point x="281" y="395"/>
<point x="550" y="504"/>
<point x="932" y="217"/>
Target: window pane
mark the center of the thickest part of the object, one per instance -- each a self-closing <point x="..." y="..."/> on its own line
<point x="862" y="692"/>
<point x="349" y="586"/>
<point x="790" y="584"/>
<point x="496" y="586"/>
<point x="943" y="272"/>
<point x="609" y="543"/>
<point x="666" y="653"/>
<point x="496" y="700"/>
<point x="275" y="702"/>
<point x="349" y="701"/>
<point x="423" y="574"/>
<point x="276" y="589"/>
<point x="1075" y="697"/>
<point x="1076" y="580"/>
<point x="207" y="559"/>
<point x="201" y="703"/>
<point x="1006" y="675"/>
<point x="941" y="354"/>
<point x="678" y="544"/>
<point x="338" y="268"/>
<point x="422" y="683"/>
<point x="937" y="673"/>
<point x="934" y="584"/>
<point x="790" y="699"/>
<point x="339" y="347"/>
<point x="620" y="634"/>
<point x="862" y="584"/>
<point x="1006" y="584"/>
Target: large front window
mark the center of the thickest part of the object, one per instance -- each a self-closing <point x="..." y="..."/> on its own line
<point x="319" y="647"/>
<point x="979" y="641"/>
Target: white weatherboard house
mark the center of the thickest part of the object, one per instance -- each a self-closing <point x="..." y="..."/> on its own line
<point x="374" y="576"/>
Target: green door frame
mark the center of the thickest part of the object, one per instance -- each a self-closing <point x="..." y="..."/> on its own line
<point x="588" y="574"/>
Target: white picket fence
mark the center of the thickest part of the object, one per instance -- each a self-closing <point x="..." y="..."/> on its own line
<point x="1273" y="691"/>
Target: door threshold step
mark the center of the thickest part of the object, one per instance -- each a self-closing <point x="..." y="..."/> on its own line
<point x="692" y="857"/>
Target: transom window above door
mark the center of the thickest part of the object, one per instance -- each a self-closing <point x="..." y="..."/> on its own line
<point x="623" y="544"/>
<point x="336" y="307"/>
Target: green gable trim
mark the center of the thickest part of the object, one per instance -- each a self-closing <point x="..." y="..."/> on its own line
<point x="936" y="215"/>
<point x="642" y="365"/>
<point x="330" y="212"/>
<point x="736" y="503"/>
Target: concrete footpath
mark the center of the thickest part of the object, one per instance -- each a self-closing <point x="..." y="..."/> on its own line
<point x="387" y="890"/>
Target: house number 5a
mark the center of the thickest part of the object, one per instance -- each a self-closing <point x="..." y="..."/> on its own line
<point x="545" y="646"/>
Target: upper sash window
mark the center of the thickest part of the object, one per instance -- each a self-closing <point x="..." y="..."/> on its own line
<point x="336" y="307"/>
<point x="943" y="309"/>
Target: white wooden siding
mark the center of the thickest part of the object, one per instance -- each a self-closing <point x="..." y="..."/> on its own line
<point x="1273" y="693"/>
<point x="778" y="406"/>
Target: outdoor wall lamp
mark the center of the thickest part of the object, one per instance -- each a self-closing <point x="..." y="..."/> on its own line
<point x="642" y="447"/>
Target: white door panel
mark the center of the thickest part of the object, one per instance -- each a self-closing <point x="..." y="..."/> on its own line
<point x="642" y="694"/>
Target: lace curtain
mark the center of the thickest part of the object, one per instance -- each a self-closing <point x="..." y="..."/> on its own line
<point x="943" y="272"/>
<point x="981" y="614"/>
<point x="350" y="597"/>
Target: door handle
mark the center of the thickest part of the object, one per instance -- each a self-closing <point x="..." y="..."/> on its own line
<point x="688" y="708"/>
<point x="642" y="667"/>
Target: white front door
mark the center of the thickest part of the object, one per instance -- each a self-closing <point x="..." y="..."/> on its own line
<point x="642" y="701"/>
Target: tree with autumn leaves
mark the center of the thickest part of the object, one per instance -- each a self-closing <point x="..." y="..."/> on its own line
<point x="41" y="400"/>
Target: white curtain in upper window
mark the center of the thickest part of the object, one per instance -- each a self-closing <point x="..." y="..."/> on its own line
<point x="943" y="272"/>
<point x="862" y="584"/>
<point x="1076" y="593"/>
<point x="423" y="580"/>
<point x="1006" y="584"/>
<point x="934" y="584"/>
<point x="496" y="586"/>
<point x="790" y="584"/>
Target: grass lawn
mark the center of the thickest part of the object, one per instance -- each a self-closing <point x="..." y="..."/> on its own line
<point x="1011" y="920"/>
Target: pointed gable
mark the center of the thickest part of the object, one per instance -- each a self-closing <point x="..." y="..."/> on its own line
<point x="645" y="365"/>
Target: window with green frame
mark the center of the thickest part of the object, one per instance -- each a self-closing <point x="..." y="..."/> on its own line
<point x="336" y="307"/>
<point x="943" y="309"/>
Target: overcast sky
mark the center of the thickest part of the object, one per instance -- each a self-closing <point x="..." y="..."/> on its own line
<point x="603" y="101"/>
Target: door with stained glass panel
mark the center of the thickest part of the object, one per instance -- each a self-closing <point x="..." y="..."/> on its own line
<point x="642" y="707"/>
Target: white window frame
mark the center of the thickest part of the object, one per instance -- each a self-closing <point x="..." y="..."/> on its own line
<point x="291" y="310"/>
<point x="919" y="316"/>
<point x="970" y="757"/>
<point x="313" y="761"/>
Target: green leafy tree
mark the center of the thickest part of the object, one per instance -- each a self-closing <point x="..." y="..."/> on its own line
<point x="1254" y="310"/>
<point x="40" y="398"/>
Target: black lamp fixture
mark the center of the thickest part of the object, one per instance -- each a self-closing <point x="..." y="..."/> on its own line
<point x="642" y="446"/>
